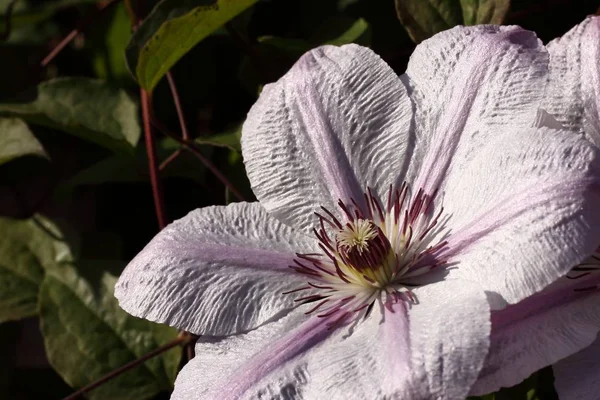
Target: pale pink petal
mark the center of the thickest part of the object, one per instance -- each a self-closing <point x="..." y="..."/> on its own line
<point x="578" y="377"/>
<point x="522" y="212"/>
<point x="217" y="271"/>
<point x="539" y="331"/>
<point x="449" y="339"/>
<point x="269" y="362"/>
<point x="518" y="80"/>
<point x="545" y="120"/>
<point x="432" y="349"/>
<point x="573" y="91"/>
<point x="369" y="360"/>
<point x="466" y="80"/>
<point x="338" y="121"/>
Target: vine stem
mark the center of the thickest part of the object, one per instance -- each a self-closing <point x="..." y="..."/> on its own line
<point x="103" y="6"/>
<point x="175" y="94"/>
<point x="182" y="339"/>
<point x="170" y="159"/>
<point x="180" y="116"/>
<point x="157" y="193"/>
<point x="196" y="151"/>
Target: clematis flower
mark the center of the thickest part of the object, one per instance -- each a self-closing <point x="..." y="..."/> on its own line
<point x="565" y="318"/>
<point x="393" y="213"/>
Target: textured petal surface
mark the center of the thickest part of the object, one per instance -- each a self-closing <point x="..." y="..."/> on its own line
<point x="447" y="342"/>
<point x="367" y="361"/>
<point x="516" y="62"/>
<point x="217" y="271"/>
<point x="269" y="362"/>
<point x="432" y="350"/>
<point x="449" y="336"/>
<point x="523" y="211"/>
<point x="578" y="377"/>
<point x="490" y="76"/>
<point x="573" y="91"/>
<point x="337" y="122"/>
<point x="538" y="332"/>
<point x="467" y="79"/>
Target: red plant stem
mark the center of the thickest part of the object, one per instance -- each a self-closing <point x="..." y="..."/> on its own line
<point x="182" y="124"/>
<point x="195" y="150"/>
<point x="157" y="193"/>
<point x="184" y="131"/>
<point x="103" y="6"/>
<point x="181" y="339"/>
<point x="169" y="159"/>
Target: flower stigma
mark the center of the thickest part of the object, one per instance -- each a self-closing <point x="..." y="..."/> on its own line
<point x="376" y="253"/>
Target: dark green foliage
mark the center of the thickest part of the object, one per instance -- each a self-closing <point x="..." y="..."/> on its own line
<point x="72" y="150"/>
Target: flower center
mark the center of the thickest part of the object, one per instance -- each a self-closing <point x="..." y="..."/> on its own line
<point x="377" y="253"/>
<point x="362" y="245"/>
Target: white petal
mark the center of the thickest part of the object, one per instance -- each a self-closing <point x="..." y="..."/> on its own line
<point x="578" y="377"/>
<point x="336" y="123"/>
<point x="440" y="59"/>
<point x="217" y="271"/>
<point x="368" y="361"/>
<point x="545" y="120"/>
<point x="573" y="91"/>
<point x="538" y="332"/>
<point x="449" y="338"/>
<point x="432" y="350"/>
<point x="466" y="80"/>
<point x="267" y="362"/>
<point x="523" y="211"/>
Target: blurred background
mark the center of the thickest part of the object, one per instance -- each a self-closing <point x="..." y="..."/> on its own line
<point x="99" y="148"/>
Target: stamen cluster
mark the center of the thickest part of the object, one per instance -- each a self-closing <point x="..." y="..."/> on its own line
<point x="373" y="252"/>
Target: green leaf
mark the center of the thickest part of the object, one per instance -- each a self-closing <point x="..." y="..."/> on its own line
<point x="423" y="19"/>
<point x="108" y="42"/>
<point x="16" y="140"/>
<point x="87" y="335"/>
<point x="87" y="108"/>
<point x="229" y="139"/>
<point x="26" y="249"/>
<point x="340" y="29"/>
<point x="172" y="29"/>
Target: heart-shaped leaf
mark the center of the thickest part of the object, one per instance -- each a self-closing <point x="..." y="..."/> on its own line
<point x="87" y="335"/>
<point x="88" y="108"/>
<point x="27" y="247"/>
